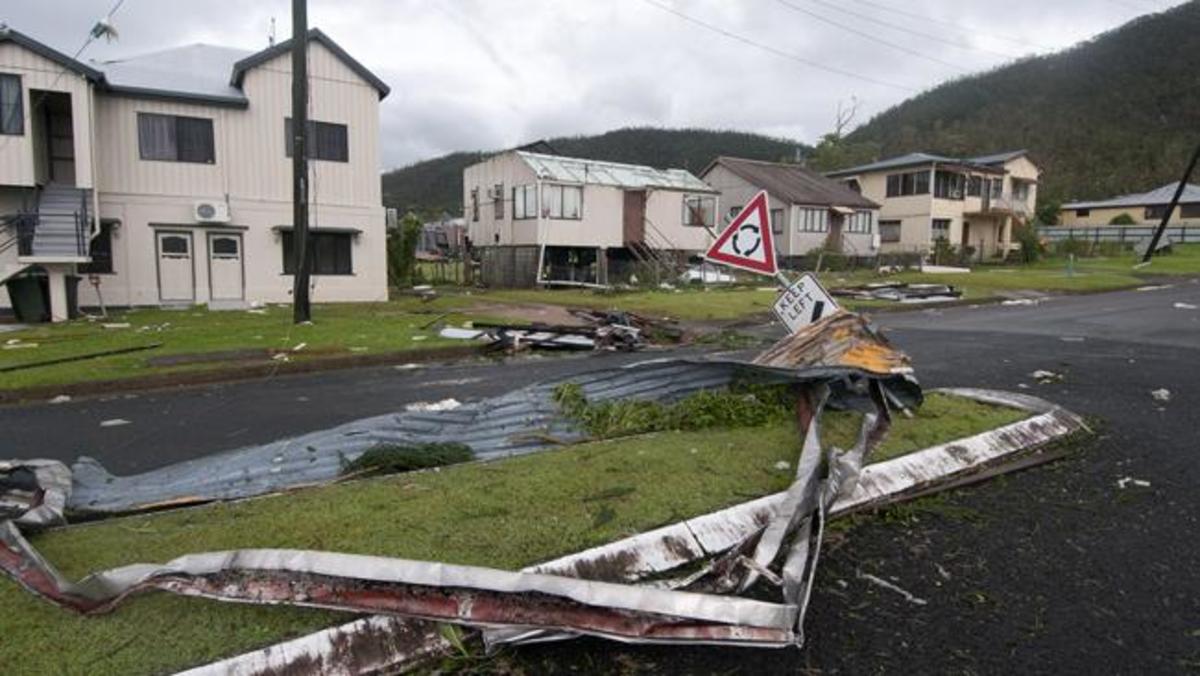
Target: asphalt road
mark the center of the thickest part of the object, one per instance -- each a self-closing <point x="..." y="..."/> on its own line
<point x="1056" y="569"/>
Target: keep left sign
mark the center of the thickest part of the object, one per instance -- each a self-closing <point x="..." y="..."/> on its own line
<point x="804" y="302"/>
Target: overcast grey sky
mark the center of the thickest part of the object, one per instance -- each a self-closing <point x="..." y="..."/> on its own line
<point x="483" y="74"/>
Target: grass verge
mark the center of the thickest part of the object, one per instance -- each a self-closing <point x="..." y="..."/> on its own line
<point x="505" y="514"/>
<point x="196" y="339"/>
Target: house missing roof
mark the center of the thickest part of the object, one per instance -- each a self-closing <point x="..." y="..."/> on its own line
<point x="541" y="219"/>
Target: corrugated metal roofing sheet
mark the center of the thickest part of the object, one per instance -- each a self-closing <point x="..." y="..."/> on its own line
<point x="925" y="158"/>
<point x="575" y="170"/>
<point x="1157" y="197"/>
<point x="198" y="69"/>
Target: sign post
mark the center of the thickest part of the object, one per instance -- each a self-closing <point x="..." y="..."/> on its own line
<point x="747" y="244"/>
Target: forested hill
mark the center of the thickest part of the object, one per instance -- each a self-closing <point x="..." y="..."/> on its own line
<point x="433" y="186"/>
<point x="1117" y="114"/>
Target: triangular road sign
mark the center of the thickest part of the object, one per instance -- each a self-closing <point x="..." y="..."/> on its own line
<point x="747" y="242"/>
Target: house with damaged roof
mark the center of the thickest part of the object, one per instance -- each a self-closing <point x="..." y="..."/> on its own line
<point x="807" y="210"/>
<point x="1138" y="208"/>
<point x="970" y="203"/>
<point x="539" y="218"/>
<point x="165" y="179"/>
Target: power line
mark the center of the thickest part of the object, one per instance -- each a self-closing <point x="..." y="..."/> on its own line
<point x="869" y="36"/>
<point x="903" y="29"/>
<point x="951" y="24"/>
<point x="778" y="52"/>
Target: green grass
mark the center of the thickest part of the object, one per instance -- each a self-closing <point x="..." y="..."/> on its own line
<point x="505" y="514"/>
<point x="985" y="282"/>
<point x="337" y="330"/>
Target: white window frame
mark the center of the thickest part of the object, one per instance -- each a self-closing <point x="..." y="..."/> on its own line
<point x="813" y="220"/>
<point x="707" y="206"/>
<point x="860" y="222"/>
<point x="556" y="201"/>
<point x="525" y="202"/>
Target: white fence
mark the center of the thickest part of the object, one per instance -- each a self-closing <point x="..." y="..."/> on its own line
<point x="1118" y="233"/>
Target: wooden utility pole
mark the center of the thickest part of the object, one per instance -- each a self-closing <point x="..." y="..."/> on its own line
<point x="301" y="310"/>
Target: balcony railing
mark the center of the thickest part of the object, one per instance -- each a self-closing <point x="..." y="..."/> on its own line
<point x="1004" y="204"/>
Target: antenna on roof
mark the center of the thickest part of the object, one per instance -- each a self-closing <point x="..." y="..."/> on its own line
<point x="271" y="34"/>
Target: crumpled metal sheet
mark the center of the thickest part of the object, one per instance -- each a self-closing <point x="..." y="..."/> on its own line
<point x="530" y="603"/>
<point x="645" y="557"/>
<point x="522" y="421"/>
<point x="34" y="493"/>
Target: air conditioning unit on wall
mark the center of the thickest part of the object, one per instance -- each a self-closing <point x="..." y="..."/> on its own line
<point x="210" y="212"/>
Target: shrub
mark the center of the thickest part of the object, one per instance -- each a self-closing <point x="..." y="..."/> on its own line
<point x="1032" y="248"/>
<point x="397" y="458"/>
<point x="1122" y="218"/>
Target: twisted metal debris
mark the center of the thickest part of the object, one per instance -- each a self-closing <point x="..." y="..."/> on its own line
<point x="839" y="361"/>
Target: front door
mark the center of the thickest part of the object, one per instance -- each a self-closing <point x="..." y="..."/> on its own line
<point x="634" y="219"/>
<point x="834" y="241"/>
<point x="966" y="235"/>
<point x="225" y="266"/>
<point x="176" y="274"/>
<point x="60" y="139"/>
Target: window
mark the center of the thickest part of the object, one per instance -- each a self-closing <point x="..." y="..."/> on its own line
<point x="325" y="141"/>
<point x="854" y="185"/>
<point x="224" y="247"/>
<point x="330" y="252"/>
<point x="175" y="245"/>
<point x="860" y="222"/>
<point x="12" y="105"/>
<point x="474" y="204"/>
<point x="498" y="202"/>
<point x="941" y="229"/>
<point x="562" y="201"/>
<point x="1156" y="212"/>
<point x="997" y="188"/>
<point x="975" y="186"/>
<point x="1083" y="212"/>
<point x="889" y="231"/>
<point x="813" y="220"/>
<point x="733" y="213"/>
<point x="1020" y="191"/>
<point x="1189" y="210"/>
<point x="699" y="210"/>
<point x="947" y="185"/>
<point x="174" y="138"/>
<point x="101" y="253"/>
<point x="525" y="202"/>
<point x="911" y="183"/>
<point x="777" y="221"/>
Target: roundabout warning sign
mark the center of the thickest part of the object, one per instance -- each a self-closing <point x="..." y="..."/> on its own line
<point x="747" y="242"/>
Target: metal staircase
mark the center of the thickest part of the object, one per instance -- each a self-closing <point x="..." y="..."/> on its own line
<point x="62" y="224"/>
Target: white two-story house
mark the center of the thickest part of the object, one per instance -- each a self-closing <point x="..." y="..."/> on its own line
<point x="966" y="202"/>
<point x="165" y="179"/>
<point x="541" y="218"/>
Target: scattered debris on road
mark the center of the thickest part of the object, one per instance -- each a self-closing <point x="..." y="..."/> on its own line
<point x="1044" y="377"/>
<point x="880" y="582"/>
<point x="61" y="399"/>
<point x="1161" y="395"/>
<point x="444" y="405"/>
<point x="114" y="422"/>
<point x="1125" y="482"/>
<point x="1186" y="306"/>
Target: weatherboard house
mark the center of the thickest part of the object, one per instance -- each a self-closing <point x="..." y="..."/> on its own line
<point x="538" y="218"/>
<point x="166" y="178"/>
<point x="806" y="210"/>
<point x="1139" y="208"/>
<point x="965" y="202"/>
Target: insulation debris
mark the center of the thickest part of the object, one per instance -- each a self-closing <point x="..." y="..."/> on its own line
<point x="900" y="292"/>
